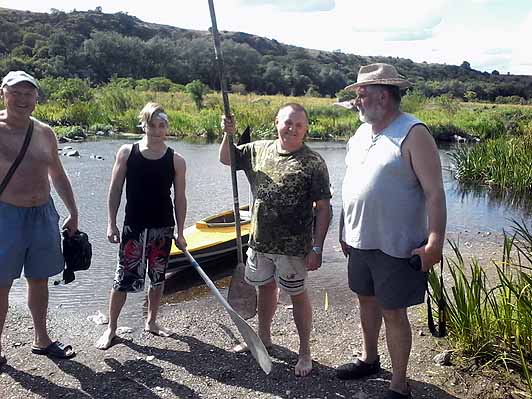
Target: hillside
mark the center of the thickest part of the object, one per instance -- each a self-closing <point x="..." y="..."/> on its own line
<point x="97" y="46"/>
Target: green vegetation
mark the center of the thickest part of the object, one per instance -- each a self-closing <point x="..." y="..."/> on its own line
<point x="490" y="321"/>
<point x="194" y="110"/>
<point x="502" y="164"/>
<point x="97" y="47"/>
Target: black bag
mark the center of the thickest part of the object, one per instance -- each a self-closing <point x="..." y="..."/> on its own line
<point x="77" y="251"/>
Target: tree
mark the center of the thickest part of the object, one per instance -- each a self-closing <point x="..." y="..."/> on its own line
<point x="197" y="90"/>
<point x="470" y="95"/>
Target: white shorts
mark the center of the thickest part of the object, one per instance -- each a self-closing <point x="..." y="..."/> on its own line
<point x="289" y="272"/>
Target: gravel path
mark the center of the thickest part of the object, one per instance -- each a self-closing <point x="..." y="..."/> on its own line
<point x="196" y="362"/>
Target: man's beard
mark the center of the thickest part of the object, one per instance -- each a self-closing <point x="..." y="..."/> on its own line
<point x="372" y="116"/>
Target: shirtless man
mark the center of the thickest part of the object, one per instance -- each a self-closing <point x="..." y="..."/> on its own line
<point x="29" y="231"/>
<point x="149" y="168"/>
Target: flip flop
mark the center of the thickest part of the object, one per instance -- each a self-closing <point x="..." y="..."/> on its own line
<point x="55" y="349"/>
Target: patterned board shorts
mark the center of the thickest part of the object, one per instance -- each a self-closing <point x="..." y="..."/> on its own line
<point x="142" y="249"/>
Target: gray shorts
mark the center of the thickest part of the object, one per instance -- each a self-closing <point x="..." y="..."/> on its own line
<point x="289" y="272"/>
<point x="29" y="238"/>
<point x="392" y="281"/>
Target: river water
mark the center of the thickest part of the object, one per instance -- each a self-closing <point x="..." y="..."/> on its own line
<point x="208" y="192"/>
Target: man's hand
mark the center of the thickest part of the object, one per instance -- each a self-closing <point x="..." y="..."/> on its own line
<point x="71" y="225"/>
<point x="113" y="234"/>
<point x="345" y="248"/>
<point x="228" y="124"/>
<point x="313" y="261"/>
<point x="429" y="254"/>
<point x="180" y="242"/>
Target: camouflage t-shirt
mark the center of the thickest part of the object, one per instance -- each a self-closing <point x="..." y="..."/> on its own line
<point x="284" y="187"/>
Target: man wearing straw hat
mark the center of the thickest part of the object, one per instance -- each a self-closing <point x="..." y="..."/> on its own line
<point x="29" y="231"/>
<point x="393" y="207"/>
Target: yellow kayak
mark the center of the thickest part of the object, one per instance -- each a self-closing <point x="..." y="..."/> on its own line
<point x="211" y="239"/>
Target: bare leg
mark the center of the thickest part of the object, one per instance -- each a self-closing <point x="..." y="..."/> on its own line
<point x="399" y="340"/>
<point x="4" y="305"/>
<point x="302" y="312"/>
<point x="266" y="307"/>
<point x="116" y="303"/>
<point x="370" y="321"/>
<point x="38" y="305"/>
<point x="154" y="301"/>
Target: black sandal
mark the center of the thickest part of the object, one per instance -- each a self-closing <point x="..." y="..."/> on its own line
<point x="396" y="395"/>
<point x="55" y="349"/>
<point x="358" y="369"/>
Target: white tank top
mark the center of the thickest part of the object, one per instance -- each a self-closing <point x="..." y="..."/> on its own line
<point x="383" y="202"/>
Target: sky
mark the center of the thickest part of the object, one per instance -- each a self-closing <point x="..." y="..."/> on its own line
<point x="489" y="34"/>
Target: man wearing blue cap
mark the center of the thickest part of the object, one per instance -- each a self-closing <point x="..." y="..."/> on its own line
<point x="29" y="231"/>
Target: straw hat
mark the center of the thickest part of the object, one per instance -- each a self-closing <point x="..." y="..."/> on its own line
<point x="379" y="74"/>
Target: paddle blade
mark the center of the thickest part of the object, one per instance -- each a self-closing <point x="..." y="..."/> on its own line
<point x="245" y="137"/>
<point x="254" y="343"/>
<point x="241" y="296"/>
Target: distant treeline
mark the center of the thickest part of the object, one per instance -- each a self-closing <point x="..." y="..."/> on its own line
<point x="97" y="47"/>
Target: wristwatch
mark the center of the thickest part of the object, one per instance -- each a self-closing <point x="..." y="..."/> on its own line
<point x="317" y="250"/>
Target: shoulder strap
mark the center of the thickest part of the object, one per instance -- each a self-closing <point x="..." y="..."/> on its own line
<point x="19" y="158"/>
<point x="442" y="328"/>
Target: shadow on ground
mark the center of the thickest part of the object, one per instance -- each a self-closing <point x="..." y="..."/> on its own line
<point x="142" y="378"/>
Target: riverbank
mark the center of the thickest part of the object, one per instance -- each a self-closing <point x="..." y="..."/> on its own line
<point x="196" y="362"/>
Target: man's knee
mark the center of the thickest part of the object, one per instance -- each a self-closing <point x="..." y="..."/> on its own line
<point x="37" y="283"/>
<point x="395" y="317"/>
<point x="367" y="301"/>
<point x="268" y="288"/>
<point x="299" y="298"/>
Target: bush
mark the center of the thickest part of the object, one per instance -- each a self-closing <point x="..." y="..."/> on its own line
<point x="70" y="131"/>
<point x="413" y="101"/>
<point x="346" y="95"/>
<point x="160" y="84"/>
<point x="197" y="90"/>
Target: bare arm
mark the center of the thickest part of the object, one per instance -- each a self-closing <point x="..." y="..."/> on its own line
<point x="323" y="217"/>
<point x="116" y="186"/>
<point x="228" y="126"/>
<point x="62" y="184"/>
<point x="343" y="244"/>
<point x="180" y="199"/>
<point x="425" y="161"/>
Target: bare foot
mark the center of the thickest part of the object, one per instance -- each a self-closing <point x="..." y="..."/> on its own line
<point x="156" y="329"/>
<point x="106" y="340"/>
<point x="303" y="366"/>
<point x="243" y="347"/>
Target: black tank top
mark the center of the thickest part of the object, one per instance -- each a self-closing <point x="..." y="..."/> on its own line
<point x="148" y="184"/>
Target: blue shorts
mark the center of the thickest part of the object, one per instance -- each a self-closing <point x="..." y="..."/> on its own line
<point x="29" y="238"/>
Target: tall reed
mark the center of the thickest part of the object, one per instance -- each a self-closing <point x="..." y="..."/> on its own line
<point x="491" y="320"/>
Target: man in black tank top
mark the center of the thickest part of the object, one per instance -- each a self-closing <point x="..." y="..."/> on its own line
<point x="149" y="168"/>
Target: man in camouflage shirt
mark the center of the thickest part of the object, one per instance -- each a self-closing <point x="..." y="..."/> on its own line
<point x="291" y="213"/>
